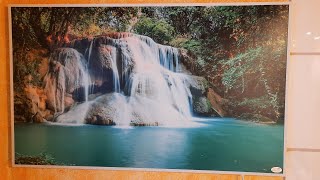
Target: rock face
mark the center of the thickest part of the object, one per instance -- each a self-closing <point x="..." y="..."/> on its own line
<point x="104" y="59"/>
<point x="30" y="105"/>
<point x="66" y="80"/>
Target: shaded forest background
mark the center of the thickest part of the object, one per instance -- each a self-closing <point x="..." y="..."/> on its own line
<point x="240" y="50"/>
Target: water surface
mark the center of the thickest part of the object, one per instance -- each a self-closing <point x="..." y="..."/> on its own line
<point x="220" y="144"/>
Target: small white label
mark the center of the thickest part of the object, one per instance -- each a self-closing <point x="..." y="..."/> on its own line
<point x="276" y="169"/>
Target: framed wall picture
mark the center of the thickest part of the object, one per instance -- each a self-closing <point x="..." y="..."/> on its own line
<point x="161" y="87"/>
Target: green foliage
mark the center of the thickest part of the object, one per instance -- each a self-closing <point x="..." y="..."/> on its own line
<point x="25" y="68"/>
<point x="256" y="118"/>
<point x="158" y="30"/>
<point x="183" y="18"/>
<point x="41" y="159"/>
<point x="260" y="102"/>
<point x="193" y="45"/>
<point x="258" y="74"/>
<point x="242" y="65"/>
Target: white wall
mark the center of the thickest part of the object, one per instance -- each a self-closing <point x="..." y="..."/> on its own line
<point x="303" y="102"/>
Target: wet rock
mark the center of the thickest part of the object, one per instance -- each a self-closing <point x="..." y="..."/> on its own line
<point x="144" y="124"/>
<point x="202" y="106"/>
<point x="109" y="109"/>
<point x="99" y="120"/>
<point x="103" y="111"/>
<point x="198" y="86"/>
<point x="65" y="77"/>
<point x="37" y="118"/>
<point x="206" y="102"/>
<point x="101" y="61"/>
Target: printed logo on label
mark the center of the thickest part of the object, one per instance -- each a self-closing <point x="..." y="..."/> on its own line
<point x="276" y="169"/>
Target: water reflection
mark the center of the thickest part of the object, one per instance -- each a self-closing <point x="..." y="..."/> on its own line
<point x="159" y="147"/>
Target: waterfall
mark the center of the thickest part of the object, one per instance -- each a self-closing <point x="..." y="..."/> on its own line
<point x="147" y="86"/>
<point x="151" y="76"/>
<point x="85" y="77"/>
<point x="115" y="74"/>
<point x="168" y="56"/>
<point x="154" y="81"/>
<point x="90" y="50"/>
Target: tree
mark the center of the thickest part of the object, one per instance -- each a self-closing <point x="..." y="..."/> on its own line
<point x="50" y="26"/>
<point x="158" y="30"/>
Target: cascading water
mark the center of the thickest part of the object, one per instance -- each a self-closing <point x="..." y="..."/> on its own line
<point x="90" y="50"/>
<point x="115" y="74"/>
<point x="146" y="86"/>
<point x="166" y="55"/>
<point x="152" y="79"/>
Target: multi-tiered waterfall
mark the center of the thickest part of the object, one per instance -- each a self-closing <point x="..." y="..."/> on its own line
<point x="128" y="80"/>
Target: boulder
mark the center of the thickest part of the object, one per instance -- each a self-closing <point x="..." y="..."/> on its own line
<point x="103" y="111"/>
<point x="202" y="106"/>
<point x="198" y="86"/>
<point x="216" y="102"/>
<point x="37" y="118"/>
<point x="206" y="101"/>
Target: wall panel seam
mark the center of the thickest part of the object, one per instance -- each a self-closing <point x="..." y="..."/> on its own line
<point x="303" y="150"/>
<point x="305" y="53"/>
